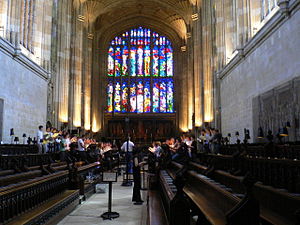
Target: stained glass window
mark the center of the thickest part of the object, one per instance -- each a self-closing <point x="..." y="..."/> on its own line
<point x="140" y="72"/>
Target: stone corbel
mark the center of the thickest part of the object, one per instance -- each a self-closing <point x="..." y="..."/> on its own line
<point x="17" y="45"/>
<point x="240" y="52"/>
<point x="284" y="7"/>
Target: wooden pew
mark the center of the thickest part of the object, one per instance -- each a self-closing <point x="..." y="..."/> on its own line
<point x="15" y="178"/>
<point x="212" y="199"/>
<point x="49" y="192"/>
<point x="155" y="209"/>
<point x="276" y="206"/>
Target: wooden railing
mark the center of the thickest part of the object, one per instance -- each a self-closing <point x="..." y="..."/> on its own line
<point x="15" y="201"/>
<point x="266" y="150"/>
<point x="11" y="149"/>
<point x="279" y="173"/>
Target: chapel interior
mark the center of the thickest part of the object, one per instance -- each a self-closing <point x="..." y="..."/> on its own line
<point x="192" y="105"/>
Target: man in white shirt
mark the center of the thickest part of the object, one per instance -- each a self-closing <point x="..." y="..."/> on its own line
<point x="81" y="148"/>
<point x="39" y="138"/>
<point x="130" y="146"/>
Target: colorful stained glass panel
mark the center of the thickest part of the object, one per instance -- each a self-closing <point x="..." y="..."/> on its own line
<point x="147" y="55"/>
<point x="155" y="97"/>
<point x="133" y="61"/>
<point x="147" y="60"/>
<point x="110" y="66"/>
<point x="170" y="88"/>
<point x="132" y="97"/>
<point x="117" y="97"/>
<point x="124" y="61"/>
<point x="163" y="97"/>
<point x="110" y="91"/>
<point x="118" y="62"/>
<point x="147" y="97"/>
<point x="140" y="54"/>
<point x="140" y="96"/>
<point x="162" y="62"/>
<point x="124" y="96"/>
<point x="169" y="53"/>
<point x="155" y="61"/>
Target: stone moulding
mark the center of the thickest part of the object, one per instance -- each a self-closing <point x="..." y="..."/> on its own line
<point x="272" y="25"/>
<point x="16" y="54"/>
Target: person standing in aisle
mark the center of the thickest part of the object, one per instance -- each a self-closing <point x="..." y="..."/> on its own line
<point x="137" y="164"/>
<point x="128" y="153"/>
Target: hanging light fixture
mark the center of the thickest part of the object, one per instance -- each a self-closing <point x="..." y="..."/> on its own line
<point x="288" y="124"/>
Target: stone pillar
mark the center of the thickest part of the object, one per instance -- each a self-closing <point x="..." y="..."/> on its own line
<point x="61" y="56"/>
<point x="182" y="85"/>
<point x="207" y="61"/>
<point x="190" y="80"/>
<point x="3" y="18"/>
<point x="77" y="69"/>
<point x="255" y="16"/>
<point x="87" y="81"/>
<point x="198" y="106"/>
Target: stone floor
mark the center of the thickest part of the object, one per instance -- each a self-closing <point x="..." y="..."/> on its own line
<point x="88" y="213"/>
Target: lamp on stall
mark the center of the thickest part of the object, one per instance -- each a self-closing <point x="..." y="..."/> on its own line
<point x="270" y="136"/>
<point x="247" y="134"/>
<point x="24" y="137"/>
<point x="229" y="136"/>
<point x="12" y="133"/>
<point x="260" y="133"/>
<point x="283" y="132"/>
<point x="237" y="134"/>
<point x="16" y="140"/>
<point x="29" y="140"/>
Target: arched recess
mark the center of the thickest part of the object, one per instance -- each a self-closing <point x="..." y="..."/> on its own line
<point x="101" y="44"/>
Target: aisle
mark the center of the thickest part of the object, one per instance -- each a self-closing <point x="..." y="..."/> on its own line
<point x="89" y="212"/>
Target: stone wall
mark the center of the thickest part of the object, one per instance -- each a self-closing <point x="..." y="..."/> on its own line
<point x="24" y="92"/>
<point x="272" y="62"/>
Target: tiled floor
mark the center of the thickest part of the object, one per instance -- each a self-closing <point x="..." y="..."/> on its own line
<point x="89" y="212"/>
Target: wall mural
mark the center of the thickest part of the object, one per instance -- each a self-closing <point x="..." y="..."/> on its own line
<point x="273" y="109"/>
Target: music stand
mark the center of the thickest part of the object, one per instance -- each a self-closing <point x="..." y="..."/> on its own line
<point x="109" y="177"/>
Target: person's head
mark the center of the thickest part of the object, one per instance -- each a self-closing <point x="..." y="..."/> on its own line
<point x="157" y="143"/>
<point x="48" y="129"/>
<point x="167" y="141"/>
<point x="192" y="137"/>
<point x="40" y="127"/>
<point x="178" y="140"/>
<point x="172" y="140"/>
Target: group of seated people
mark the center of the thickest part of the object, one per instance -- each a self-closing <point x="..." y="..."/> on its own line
<point x="83" y="148"/>
<point x="186" y="146"/>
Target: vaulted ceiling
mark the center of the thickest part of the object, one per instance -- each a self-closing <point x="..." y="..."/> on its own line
<point x="111" y="17"/>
